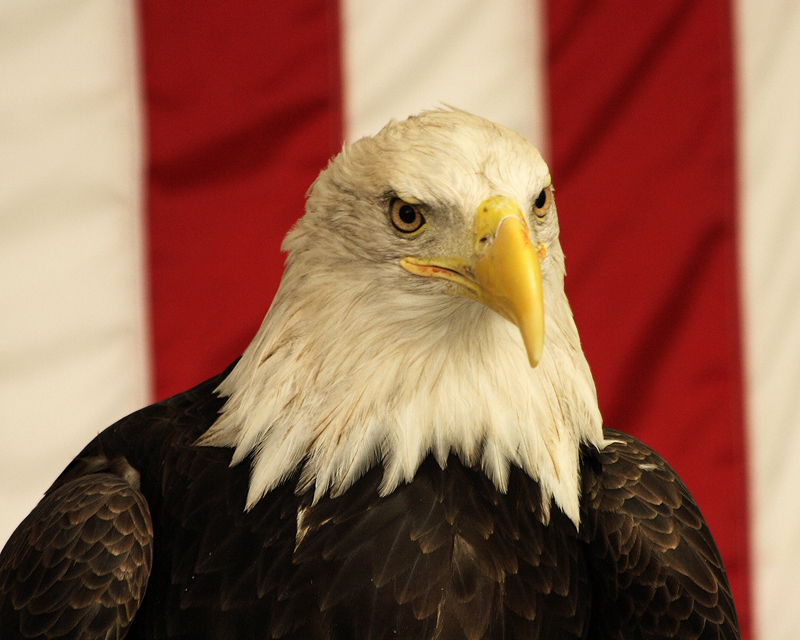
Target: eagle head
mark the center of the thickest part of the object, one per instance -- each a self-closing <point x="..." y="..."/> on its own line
<point x="421" y="312"/>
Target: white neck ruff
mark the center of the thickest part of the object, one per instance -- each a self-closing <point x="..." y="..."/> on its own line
<point x="342" y="378"/>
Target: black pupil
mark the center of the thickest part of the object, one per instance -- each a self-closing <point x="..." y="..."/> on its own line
<point x="541" y="199"/>
<point x="407" y="214"/>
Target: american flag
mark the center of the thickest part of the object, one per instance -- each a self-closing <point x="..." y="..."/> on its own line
<point x="153" y="155"/>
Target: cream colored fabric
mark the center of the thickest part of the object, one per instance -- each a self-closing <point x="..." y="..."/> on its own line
<point x="769" y="142"/>
<point x="401" y="57"/>
<point x="72" y="321"/>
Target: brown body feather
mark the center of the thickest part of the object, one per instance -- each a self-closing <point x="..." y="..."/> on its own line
<point x="444" y="556"/>
<point x="77" y="567"/>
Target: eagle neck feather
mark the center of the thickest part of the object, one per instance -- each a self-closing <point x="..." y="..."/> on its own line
<point x="341" y="377"/>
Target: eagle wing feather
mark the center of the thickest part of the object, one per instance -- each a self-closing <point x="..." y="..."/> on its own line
<point x="655" y="569"/>
<point x="78" y="565"/>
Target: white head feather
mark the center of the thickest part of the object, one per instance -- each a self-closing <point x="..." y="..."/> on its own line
<point x="359" y="361"/>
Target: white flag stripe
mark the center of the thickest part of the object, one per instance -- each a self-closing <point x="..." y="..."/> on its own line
<point x="72" y="328"/>
<point x="401" y="57"/>
<point x="769" y="141"/>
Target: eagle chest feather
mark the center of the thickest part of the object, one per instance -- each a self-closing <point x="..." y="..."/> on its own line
<point x="447" y="555"/>
<point x="444" y="556"/>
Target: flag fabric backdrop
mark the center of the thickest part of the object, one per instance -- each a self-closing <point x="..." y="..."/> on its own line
<point x="153" y="155"/>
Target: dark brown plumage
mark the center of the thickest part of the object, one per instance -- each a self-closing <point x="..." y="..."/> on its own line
<point x="445" y="556"/>
<point x="77" y="566"/>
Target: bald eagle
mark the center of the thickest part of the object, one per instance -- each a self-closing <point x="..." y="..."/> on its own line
<point x="410" y="447"/>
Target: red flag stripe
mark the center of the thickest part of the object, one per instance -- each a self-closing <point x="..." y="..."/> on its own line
<point x="644" y="163"/>
<point x="243" y="105"/>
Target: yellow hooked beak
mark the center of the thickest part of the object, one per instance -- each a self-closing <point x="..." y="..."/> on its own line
<point x="503" y="271"/>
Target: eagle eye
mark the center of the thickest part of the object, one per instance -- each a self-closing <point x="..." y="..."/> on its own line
<point x="543" y="202"/>
<point x="406" y="217"/>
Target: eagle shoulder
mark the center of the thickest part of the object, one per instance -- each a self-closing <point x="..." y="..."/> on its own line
<point x="654" y="567"/>
<point x="78" y="565"/>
